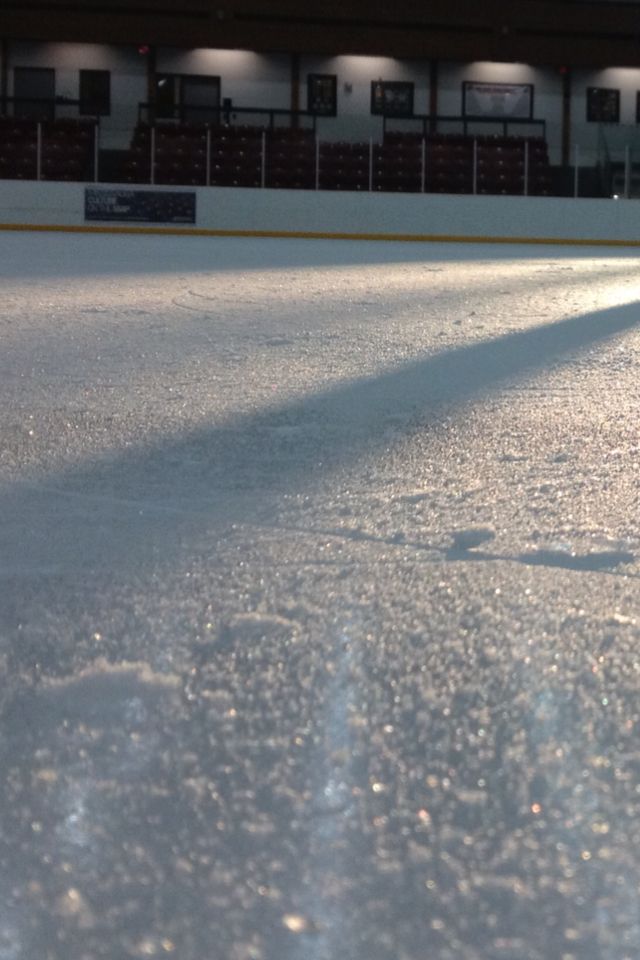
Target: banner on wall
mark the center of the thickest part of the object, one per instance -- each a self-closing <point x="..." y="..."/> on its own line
<point x="503" y="101"/>
<point x="139" y="206"/>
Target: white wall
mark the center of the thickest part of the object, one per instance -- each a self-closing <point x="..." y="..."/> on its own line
<point x="354" y="77"/>
<point x="128" y="78"/>
<point x="249" y="79"/>
<point x="625" y="79"/>
<point x="260" y="80"/>
<point x="418" y="215"/>
<point x="547" y="95"/>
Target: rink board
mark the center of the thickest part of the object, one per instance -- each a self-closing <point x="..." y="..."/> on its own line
<point x="340" y="214"/>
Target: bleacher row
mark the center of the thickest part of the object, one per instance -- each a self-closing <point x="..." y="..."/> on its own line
<point x="66" y="149"/>
<point x="289" y="158"/>
<point x="197" y="155"/>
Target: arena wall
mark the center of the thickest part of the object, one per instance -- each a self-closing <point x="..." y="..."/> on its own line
<point x="417" y="216"/>
<point x="264" y="80"/>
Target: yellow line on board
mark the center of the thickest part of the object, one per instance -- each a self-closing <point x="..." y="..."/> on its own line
<point x="314" y="235"/>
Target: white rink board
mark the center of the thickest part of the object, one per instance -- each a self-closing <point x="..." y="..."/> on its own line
<point x="423" y="216"/>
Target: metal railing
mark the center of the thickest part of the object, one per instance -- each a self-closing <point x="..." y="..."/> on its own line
<point x="429" y="124"/>
<point x="45" y="108"/>
<point x="226" y="115"/>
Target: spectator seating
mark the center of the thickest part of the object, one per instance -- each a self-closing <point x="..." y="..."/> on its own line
<point x="235" y="156"/>
<point x="67" y="149"/>
<point x="500" y="163"/>
<point x="343" y="166"/>
<point x="18" y="149"/>
<point x="290" y="159"/>
<point x="195" y="154"/>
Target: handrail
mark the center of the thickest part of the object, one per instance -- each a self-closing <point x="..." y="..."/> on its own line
<point x="223" y="114"/>
<point x="50" y="107"/>
<point x="429" y="122"/>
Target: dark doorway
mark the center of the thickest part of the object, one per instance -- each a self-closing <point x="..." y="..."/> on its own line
<point x="95" y="93"/>
<point x="192" y="99"/>
<point x="200" y="99"/>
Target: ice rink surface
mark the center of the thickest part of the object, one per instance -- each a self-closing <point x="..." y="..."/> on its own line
<point x="320" y="636"/>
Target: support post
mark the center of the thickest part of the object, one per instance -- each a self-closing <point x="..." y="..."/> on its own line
<point x="4" y="73"/>
<point x="96" y="152"/>
<point x="627" y="172"/>
<point x="207" y="178"/>
<point x="475" y="166"/>
<point x="295" y="88"/>
<point x="39" y="151"/>
<point x="152" y="83"/>
<point x="566" y="116"/>
<point x="576" y="172"/>
<point x="152" y="172"/>
<point x="433" y="94"/>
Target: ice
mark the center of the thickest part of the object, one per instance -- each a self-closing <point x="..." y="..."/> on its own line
<point x="318" y="583"/>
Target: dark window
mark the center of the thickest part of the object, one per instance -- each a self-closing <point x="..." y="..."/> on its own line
<point x="95" y="92"/>
<point x="603" y="105"/>
<point x="34" y="89"/>
<point x="322" y="97"/>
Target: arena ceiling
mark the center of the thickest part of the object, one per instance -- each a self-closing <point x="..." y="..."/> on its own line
<point x="553" y="32"/>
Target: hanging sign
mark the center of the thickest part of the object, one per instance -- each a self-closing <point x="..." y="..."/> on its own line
<point x="501" y="100"/>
